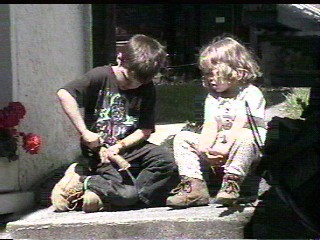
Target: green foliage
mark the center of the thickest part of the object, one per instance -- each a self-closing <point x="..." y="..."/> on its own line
<point x="275" y="95"/>
<point x="296" y="102"/>
<point x="179" y="102"/>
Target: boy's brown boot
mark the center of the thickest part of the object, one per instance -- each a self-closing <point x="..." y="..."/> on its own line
<point x="230" y="190"/>
<point x="67" y="193"/>
<point x="190" y="192"/>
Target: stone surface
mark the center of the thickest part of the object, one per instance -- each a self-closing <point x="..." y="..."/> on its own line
<point x="162" y="131"/>
<point x="198" y="222"/>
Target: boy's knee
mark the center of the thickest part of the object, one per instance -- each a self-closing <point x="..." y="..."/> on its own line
<point x="171" y="167"/>
<point x="167" y="164"/>
<point x="127" y="196"/>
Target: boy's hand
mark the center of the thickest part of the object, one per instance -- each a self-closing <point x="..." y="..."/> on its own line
<point x="107" y="156"/>
<point x="115" y="149"/>
<point x="91" y="139"/>
<point x="217" y="155"/>
<point x="104" y="155"/>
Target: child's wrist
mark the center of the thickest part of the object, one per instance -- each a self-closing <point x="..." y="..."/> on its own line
<point x="121" y="144"/>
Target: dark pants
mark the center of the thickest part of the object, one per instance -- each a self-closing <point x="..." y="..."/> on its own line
<point x="155" y="174"/>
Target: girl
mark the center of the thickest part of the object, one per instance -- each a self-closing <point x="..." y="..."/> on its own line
<point x="234" y="128"/>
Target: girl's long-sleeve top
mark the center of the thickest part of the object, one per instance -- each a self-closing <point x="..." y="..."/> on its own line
<point x="229" y="114"/>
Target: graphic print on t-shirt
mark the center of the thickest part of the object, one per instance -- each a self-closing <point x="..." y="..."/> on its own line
<point x="117" y="117"/>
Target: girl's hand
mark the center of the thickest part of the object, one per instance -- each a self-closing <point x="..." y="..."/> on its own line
<point x="216" y="160"/>
<point x="106" y="152"/>
<point x="219" y="149"/>
<point x="200" y="150"/>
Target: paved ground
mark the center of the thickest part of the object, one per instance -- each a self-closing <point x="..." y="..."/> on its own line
<point x="163" y="131"/>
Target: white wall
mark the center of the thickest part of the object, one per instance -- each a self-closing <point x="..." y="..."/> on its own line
<point x="5" y="55"/>
<point x="51" y="45"/>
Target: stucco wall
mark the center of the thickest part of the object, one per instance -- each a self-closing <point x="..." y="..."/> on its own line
<point x="5" y="53"/>
<point x="50" y="46"/>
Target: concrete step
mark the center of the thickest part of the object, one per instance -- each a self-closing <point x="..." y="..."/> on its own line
<point x="211" y="221"/>
<point x="267" y="218"/>
<point x="197" y="222"/>
<point x="163" y="131"/>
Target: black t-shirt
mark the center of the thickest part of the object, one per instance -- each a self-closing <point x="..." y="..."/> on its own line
<point x="110" y="111"/>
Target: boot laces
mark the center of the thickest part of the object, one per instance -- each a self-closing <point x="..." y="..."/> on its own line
<point x="74" y="198"/>
<point x="183" y="186"/>
<point x="231" y="186"/>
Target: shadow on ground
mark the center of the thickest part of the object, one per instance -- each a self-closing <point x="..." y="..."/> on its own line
<point x="290" y="165"/>
<point x="273" y="219"/>
<point x="275" y="96"/>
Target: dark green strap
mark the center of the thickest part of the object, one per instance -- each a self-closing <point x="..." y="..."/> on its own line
<point x="254" y="128"/>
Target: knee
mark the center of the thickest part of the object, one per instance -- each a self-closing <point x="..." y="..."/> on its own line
<point x="128" y="196"/>
<point x="184" y="136"/>
<point x="245" y="136"/>
<point x="171" y="166"/>
<point x="168" y="164"/>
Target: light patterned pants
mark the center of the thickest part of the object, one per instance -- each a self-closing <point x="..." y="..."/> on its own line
<point x="243" y="154"/>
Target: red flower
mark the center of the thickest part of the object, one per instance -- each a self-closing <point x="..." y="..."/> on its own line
<point x="10" y="117"/>
<point x="32" y="143"/>
<point x="18" y="109"/>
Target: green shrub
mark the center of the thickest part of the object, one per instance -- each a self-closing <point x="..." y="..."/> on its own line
<point x="296" y="102"/>
<point x="178" y="103"/>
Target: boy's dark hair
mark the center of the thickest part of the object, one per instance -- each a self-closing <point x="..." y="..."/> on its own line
<point x="143" y="56"/>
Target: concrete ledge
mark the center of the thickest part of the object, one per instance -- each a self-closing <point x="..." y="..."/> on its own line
<point x="163" y="131"/>
<point x="197" y="222"/>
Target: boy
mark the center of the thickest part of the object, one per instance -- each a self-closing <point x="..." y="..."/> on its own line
<point x="119" y="103"/>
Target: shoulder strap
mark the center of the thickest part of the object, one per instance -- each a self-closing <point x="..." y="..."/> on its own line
<point x="253" y="127"/>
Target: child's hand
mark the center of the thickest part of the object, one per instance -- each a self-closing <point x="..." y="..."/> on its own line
<point x="104" y="155"/>
<point x="219" y="149"/>
<point x="215" y="160"/>
<point x="200" y="150"/>
<point x="115" y="149"/>
<point x="91" y="139"/>
<point x="217" y="155"/>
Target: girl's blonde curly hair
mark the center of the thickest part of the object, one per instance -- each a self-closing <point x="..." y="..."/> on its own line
<point x="232" y="60"/>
